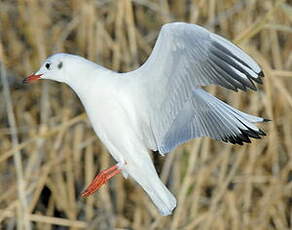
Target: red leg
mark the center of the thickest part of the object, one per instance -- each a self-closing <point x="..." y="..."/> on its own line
<point x="100" y="180"/>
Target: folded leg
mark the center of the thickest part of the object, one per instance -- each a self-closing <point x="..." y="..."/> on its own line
<point x="102" y="178"/>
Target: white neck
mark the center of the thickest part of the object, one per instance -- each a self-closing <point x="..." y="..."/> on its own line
<point x="86" y="76"/>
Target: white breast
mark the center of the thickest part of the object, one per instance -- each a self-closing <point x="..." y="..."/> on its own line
<point x="113" y="118"/>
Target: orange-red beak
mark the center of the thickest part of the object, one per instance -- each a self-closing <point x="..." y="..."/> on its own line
<point x="32" y="77"/>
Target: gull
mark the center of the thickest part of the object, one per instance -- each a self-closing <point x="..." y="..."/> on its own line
<point x="161" y="104"/>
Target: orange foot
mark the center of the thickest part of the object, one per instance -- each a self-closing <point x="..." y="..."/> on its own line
<point x="100" y="180"/>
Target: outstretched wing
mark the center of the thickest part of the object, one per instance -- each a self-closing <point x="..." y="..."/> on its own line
<point x="185" y="57"/>
<point x="205" y="115"/>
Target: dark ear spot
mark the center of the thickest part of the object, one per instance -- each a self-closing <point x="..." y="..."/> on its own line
<point x="60" y="65"/>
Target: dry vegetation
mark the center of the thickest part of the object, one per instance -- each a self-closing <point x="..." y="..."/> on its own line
<point x="49" y="153"/>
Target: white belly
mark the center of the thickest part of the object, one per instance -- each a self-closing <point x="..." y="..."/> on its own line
<point x="114" y="126"/>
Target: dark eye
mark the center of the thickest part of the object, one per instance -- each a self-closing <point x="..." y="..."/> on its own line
<point x="48" y="65"/>
<point x="60" y="65"/>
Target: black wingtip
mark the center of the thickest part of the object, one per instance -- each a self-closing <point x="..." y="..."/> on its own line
<point x="266" y="120"/>
<point x="244" y="136"/>
<point x="258" y="80"/>
<point x="262" y="133"/>
<point x="261" y="74"/>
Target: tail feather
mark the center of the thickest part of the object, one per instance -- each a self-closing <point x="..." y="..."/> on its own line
<point x="157" y="191"/>
<point x="162" y="198"/>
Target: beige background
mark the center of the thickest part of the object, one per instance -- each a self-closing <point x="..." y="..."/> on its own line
<point x="218" y="186"/>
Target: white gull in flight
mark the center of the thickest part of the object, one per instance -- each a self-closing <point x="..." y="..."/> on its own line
<point x="161" y="104"/>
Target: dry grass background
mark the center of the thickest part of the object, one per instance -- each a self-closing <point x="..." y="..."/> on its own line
<point x="49" y="153"/>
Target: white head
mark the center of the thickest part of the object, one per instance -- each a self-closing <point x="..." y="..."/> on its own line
<point x="60" y="67"/>
<point x="52" y="68"/>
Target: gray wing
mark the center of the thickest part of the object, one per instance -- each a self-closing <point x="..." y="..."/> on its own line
<point x="205" y="115"/>
<point x="185" y="57"/>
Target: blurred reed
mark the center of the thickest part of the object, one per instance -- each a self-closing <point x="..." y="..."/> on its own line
<point x="218" y="186"/>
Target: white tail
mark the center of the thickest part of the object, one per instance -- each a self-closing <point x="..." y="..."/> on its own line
<point x="149" y="180"/>
<point x="160" y="195"/>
